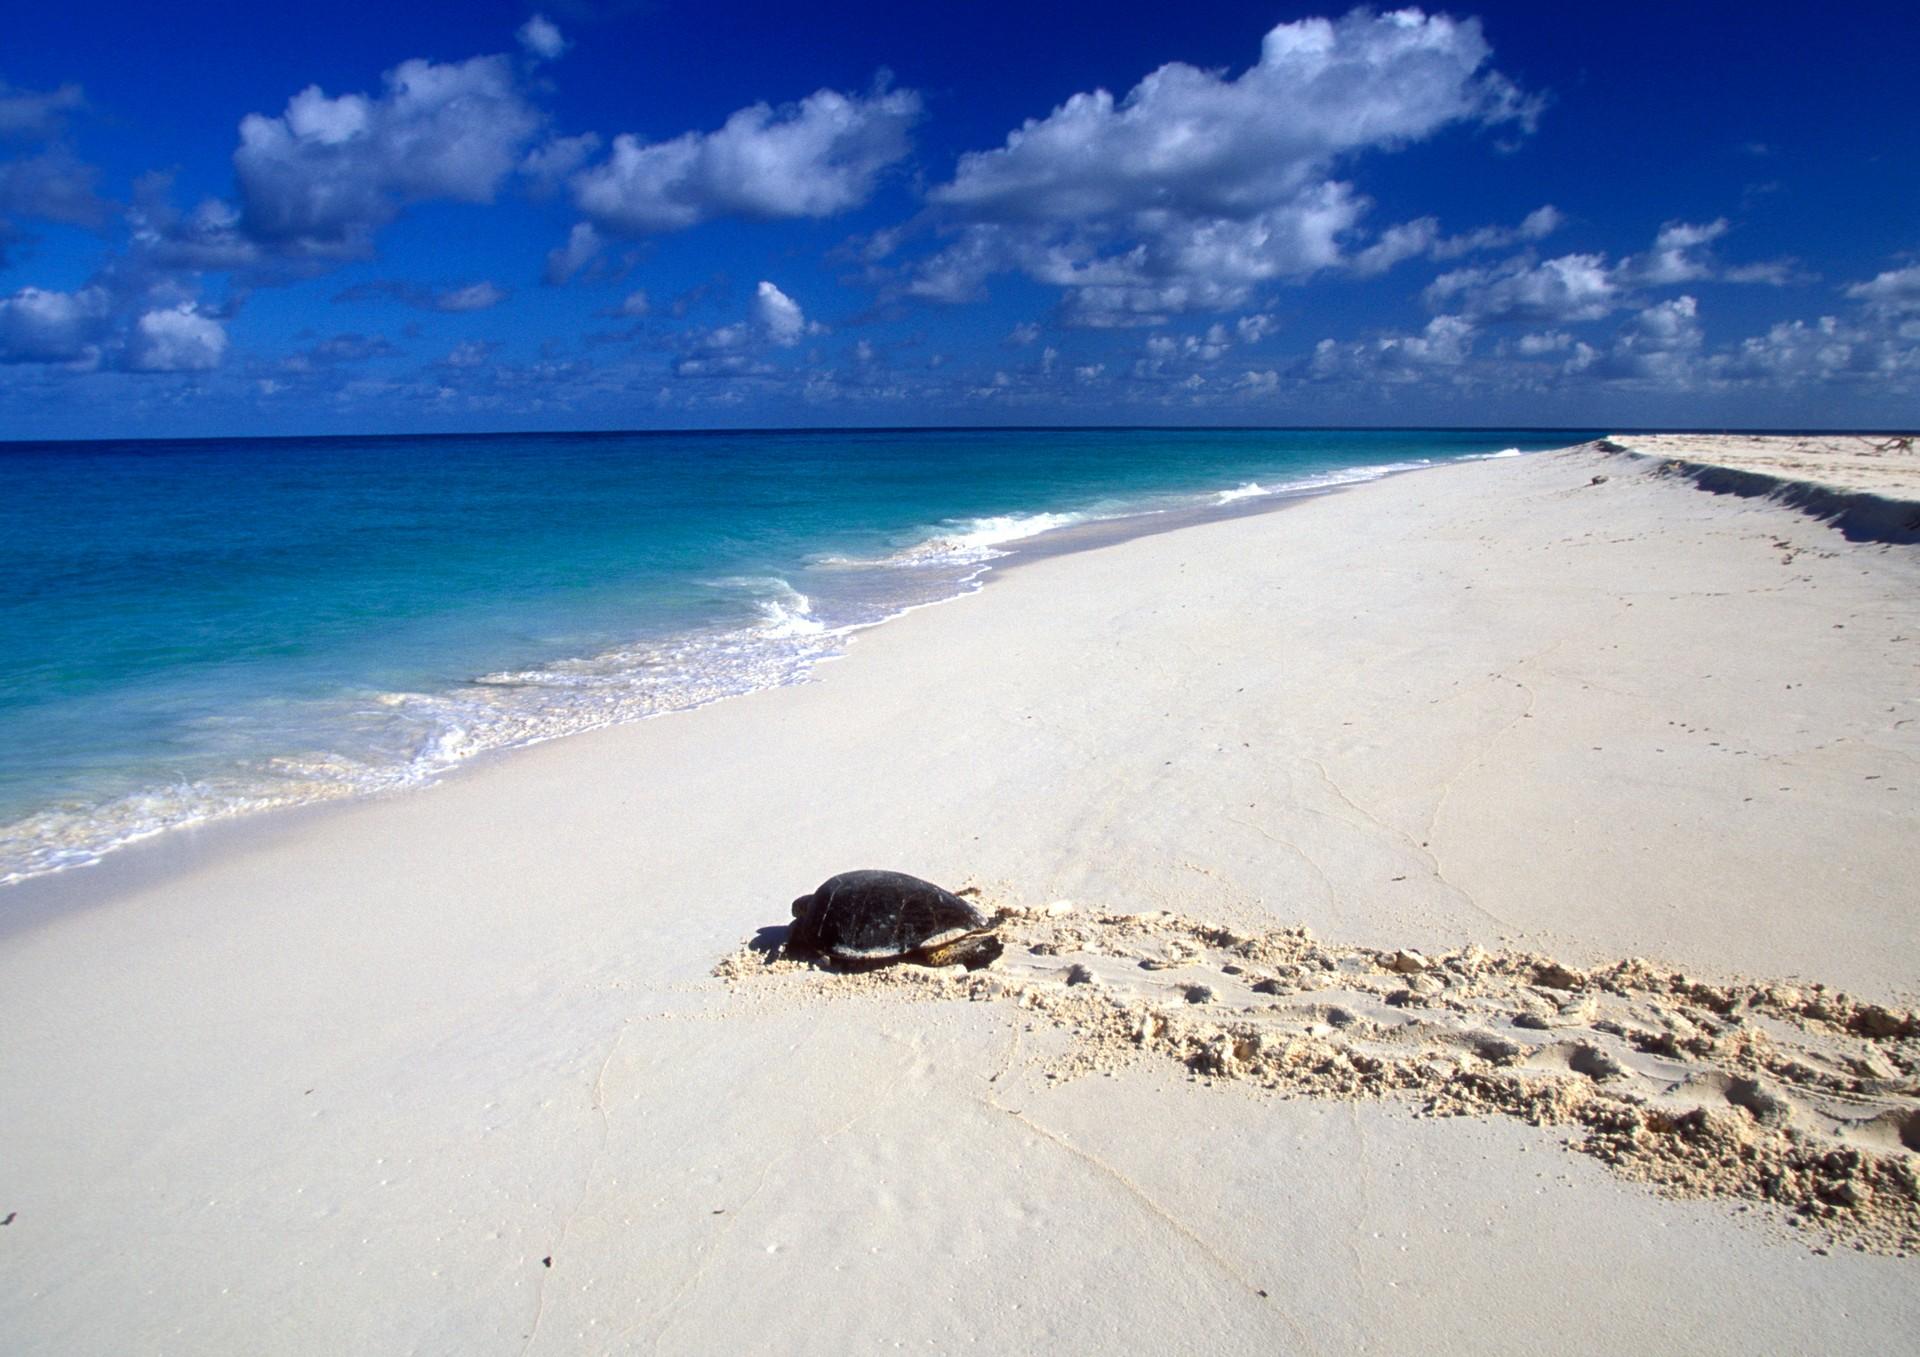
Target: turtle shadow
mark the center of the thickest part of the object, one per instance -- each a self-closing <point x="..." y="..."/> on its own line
<point x="770" y="941"/>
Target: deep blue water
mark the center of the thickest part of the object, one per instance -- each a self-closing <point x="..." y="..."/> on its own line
<point x="199" y="628"/>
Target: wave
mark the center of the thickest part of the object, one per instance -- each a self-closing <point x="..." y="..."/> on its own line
<point x="1251" y="490"/>
<point x="377" y="741"/>
<point x="404" y="739"/>
<point x="969" y="541"/>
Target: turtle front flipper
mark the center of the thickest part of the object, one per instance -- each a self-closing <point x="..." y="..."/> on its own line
<point x="972" y="951"/>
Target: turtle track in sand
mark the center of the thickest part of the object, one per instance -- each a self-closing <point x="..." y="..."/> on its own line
<point x="1793" y="1095"/>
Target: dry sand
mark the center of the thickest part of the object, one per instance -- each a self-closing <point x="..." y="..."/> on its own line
<point x="451" y="1072"/>
<point x="1876" y="464"/>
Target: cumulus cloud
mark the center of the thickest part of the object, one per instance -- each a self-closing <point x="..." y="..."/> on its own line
<point x="1658" y="346"/>
<point x="1253" y="329"/>
<point x="1677" y="255"/>
<point x="176" y="339"/>
<point x="541" y="38"/>
<point x="207" y="238"/>
<point x="1573" y="287"/>
<point x="320" y="177"/>
<point x="1445" y="343"/>
<point x="1827" y="350"/>
<point x="816" y="158"/>
<point x="1550" y="341"/>
<point x="1893" y="293"/>
<point x="1194" y="141"/>
<point x="42" y="326"/>
<point x="741" y="348"/>
<point x="780" y="316"/>
<point x="1423" y="237"/>
<point x="1197" y="186"/>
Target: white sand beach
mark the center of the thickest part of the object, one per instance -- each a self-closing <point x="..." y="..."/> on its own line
<point x="450" y="1071"/>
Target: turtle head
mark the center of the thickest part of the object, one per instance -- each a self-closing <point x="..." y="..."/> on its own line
<point x="800" y="937"/>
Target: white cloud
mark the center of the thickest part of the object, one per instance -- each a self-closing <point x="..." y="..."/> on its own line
<point x="1677" y="255"/>
<point x="1893" y="293"/>
<point x="1659" y="347"/>
<point x="176" y="339"/>
<point x="36" y="115"/>
<point x="541" y="38"/>
<point x="53" y="186"/>
<point x="320" y="177"/>
<point x="548" y="165"/>
<point x="1444" y="346"/>
<point x="1828" y="350"/>
<point x="816" y="158"/>
<point x="1536" y="225"/>
<point x="781" y="317"/>
<point x="1407" y="240"/>
<point x="634" y="304"/>
<point x="40" y="326"/>
<point x="1189" y="140"/>
<point x="1206" y="348"/>
<point x="1573" y="287"/>
<point x="471" y="354"/>
<point x="48" y="183"/>
<point x="336" y="351"/>
<point x="1535" y="345"/>
<point x="739" y="349"/>
<point x="479" y="296"/>
<point x="721" y="365"/>
<point x="583" y="243"/>
<point x="1253" y="329"/>
<point x="1197" y="186"/>
<point x="1671" y="325"/>
<point x="1412" y="239"/>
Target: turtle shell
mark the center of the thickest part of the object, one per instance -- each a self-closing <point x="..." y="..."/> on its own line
<point x="872" y="917"/>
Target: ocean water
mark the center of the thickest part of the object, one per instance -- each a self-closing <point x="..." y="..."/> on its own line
<point x="191" y="630"/>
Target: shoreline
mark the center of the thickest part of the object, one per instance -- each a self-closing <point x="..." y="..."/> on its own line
<point x="449" y="1072"/>
<point x="232" y="827"/>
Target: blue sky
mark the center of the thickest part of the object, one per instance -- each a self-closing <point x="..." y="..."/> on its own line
<point x="591" y="214"/>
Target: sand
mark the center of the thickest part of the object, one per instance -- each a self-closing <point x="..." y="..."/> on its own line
<point x="1877" y="464"/>
<point x="452" y="1071"/>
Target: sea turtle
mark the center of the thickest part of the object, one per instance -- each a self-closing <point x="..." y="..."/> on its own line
<point x="865" y="919"/>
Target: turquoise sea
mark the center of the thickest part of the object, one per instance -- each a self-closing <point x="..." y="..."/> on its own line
<point x="197" y="629"/>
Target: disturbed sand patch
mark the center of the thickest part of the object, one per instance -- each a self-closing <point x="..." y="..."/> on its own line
<point x="1792" y="1095"/>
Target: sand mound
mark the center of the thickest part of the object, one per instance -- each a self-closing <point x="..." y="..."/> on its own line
<point x="1792" y="1095"/>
